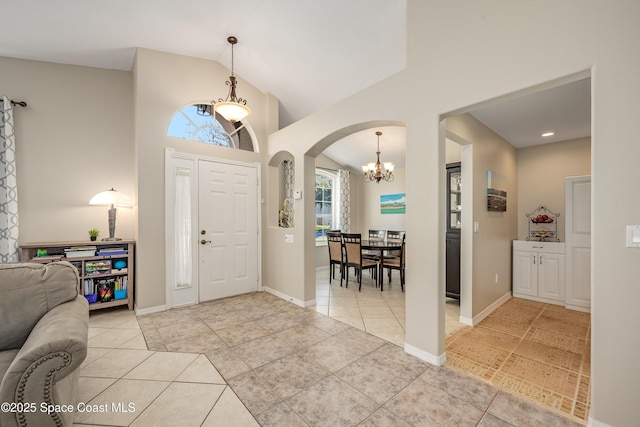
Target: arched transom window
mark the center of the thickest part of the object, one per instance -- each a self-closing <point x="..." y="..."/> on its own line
<point x="197" y="123"/>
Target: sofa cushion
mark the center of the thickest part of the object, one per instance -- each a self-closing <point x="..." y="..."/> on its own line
<point x="6" y="357"/>
<point x="27" y="292"/>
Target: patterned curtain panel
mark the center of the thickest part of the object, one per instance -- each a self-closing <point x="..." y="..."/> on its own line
<point x="344" y="201"/>
<point x="9" y="251"/>
<point x="287" y="212"/>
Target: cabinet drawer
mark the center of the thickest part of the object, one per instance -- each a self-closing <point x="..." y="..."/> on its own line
<point x="548" y="247"/>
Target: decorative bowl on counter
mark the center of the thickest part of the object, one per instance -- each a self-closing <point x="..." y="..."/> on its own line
<point x="542" y="219"/>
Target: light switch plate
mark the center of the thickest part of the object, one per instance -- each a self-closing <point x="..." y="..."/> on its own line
<point x="288" y="238"/>
<point x="633" y="236"/>
<point x="297" y="194"/>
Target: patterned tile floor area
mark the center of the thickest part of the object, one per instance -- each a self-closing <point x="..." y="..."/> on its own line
<point x="258" y="360"/>
<point x="535" y="350"/>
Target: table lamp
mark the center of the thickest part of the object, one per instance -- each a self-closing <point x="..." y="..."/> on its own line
<point x="111" y="198"/>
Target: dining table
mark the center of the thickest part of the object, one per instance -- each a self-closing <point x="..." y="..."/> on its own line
<point x="383" y="247"/>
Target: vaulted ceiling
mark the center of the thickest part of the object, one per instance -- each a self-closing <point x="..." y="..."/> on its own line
<point x="309" y="54"/>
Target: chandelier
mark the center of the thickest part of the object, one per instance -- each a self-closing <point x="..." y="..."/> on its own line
<point x="231" y="108"/>
<point x="377" y="171"/>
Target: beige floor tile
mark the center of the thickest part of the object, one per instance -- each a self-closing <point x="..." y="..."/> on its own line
<point x="168" y="408"/>
<point x="322" y="299"/>
<point x="94" y="332"/>
<point x="229" y="411"/>
<point x="388" y="326"/>
<point x="113" y="338"/>
<point x="201" y="371"/>
<point x="397" y="339"/>
<point x="323" y="309"/>
<point x="111" y="318"/>
<point x="379" y="312"/>
<point x="115" y="364"/>
<point x="89" y="387"/>
<point x="128" y="324"/>
<point x="356" y="322"/>
<point x="332" y="402"/>
<point x="137" y="393"/>
<point x="343" y="301"/>
<point x="136" y="343"/>
<point x="94" y="354"/>
<point x="162" y="366"/>
<point x="340" y="311"/>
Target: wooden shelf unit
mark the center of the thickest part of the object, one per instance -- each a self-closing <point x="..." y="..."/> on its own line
<point x="29" y="252"/>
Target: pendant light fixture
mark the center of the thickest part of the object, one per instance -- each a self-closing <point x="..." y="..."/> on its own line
<point x="232" y="108"/>
<point x="377" y="171"/>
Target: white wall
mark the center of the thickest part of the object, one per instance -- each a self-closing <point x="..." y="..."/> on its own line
<point x="496" y="51"/>
<point x="501" y="47"/>
<point x="372" y="218"/>
<point x="73" y="140"/>
<point x="541" y="173"/>
<point x="490" y="251"/>
<point x="163" y="84"/>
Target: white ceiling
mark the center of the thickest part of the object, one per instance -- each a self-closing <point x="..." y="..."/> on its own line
<point x="309" y="54"/>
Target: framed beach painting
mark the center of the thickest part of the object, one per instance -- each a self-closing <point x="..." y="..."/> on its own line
<point x="393" y="203"/>
<point x="496" y="192"/>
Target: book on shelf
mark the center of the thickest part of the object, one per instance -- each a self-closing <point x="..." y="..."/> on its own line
<point x="110" y="252"/>
<point x="105" y="288"/>
<point x="98" y="267"/>
<point x="80" y="251"/>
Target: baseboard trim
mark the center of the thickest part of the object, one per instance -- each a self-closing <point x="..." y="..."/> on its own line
<point x="487" y="311"/>
<point x="595" y="423"/>
<point x="299" y="303"/>
<point x="466" y="321"/>
<point x="423" y="355"/>
<point x="149" y="310"/>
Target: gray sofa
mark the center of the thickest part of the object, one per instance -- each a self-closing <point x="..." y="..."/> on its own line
<point x="44" y="326"/>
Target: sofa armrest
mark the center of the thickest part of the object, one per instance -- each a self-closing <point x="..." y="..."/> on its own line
<point x="55" y="348"/>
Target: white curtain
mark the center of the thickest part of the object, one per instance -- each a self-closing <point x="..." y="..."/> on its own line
<point x="183" y="226"/>
<point x="344" y="201"/>
<point x="9" y="251"/>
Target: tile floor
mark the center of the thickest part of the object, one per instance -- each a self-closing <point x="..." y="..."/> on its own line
<point x="258" y="360"/>
<point x="535" y="350"/>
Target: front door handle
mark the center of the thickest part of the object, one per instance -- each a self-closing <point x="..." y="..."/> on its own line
<point x="204" y="242"/>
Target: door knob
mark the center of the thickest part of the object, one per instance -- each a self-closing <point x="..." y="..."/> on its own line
<point x="203" y="232"/>
<point x="204" y="242"/>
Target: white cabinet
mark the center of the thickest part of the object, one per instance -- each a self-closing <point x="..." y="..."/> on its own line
<point x="539" y="271"/>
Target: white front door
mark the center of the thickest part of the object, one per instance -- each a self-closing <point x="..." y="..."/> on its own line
<point x="228" y="229"/>
<point x="578" y="242"/>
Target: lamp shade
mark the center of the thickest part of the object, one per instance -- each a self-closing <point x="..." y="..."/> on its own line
<point x="232" y="111"/>
<point x="110" y="197"/>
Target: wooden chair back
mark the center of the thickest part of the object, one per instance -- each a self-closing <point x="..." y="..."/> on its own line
<point x="377" y="234"/>
<point x="395" y="236"/>
<point x="353" y="248"/>
<point x="334" y="241"/>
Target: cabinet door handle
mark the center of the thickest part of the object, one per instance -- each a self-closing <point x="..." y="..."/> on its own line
<point x="540" y="259"/>
<point x="534" y="259"/>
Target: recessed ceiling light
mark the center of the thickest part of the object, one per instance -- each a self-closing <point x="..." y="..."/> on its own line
<point x="546" y="134"/>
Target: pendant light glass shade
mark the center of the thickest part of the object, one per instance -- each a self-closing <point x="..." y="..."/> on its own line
<point x="232" y="108"/>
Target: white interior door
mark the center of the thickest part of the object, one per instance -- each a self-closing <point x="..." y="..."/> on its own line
<point x="578" y="242"/>
<point x="228" y="229"/>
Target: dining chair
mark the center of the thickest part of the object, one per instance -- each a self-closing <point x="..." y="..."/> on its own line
<point x="353" y="258"/>
<point x="394" y="237"/>
<point x="336" y="253"/>
<point x="375" y="235"/>
<point x="396" y="263"/>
